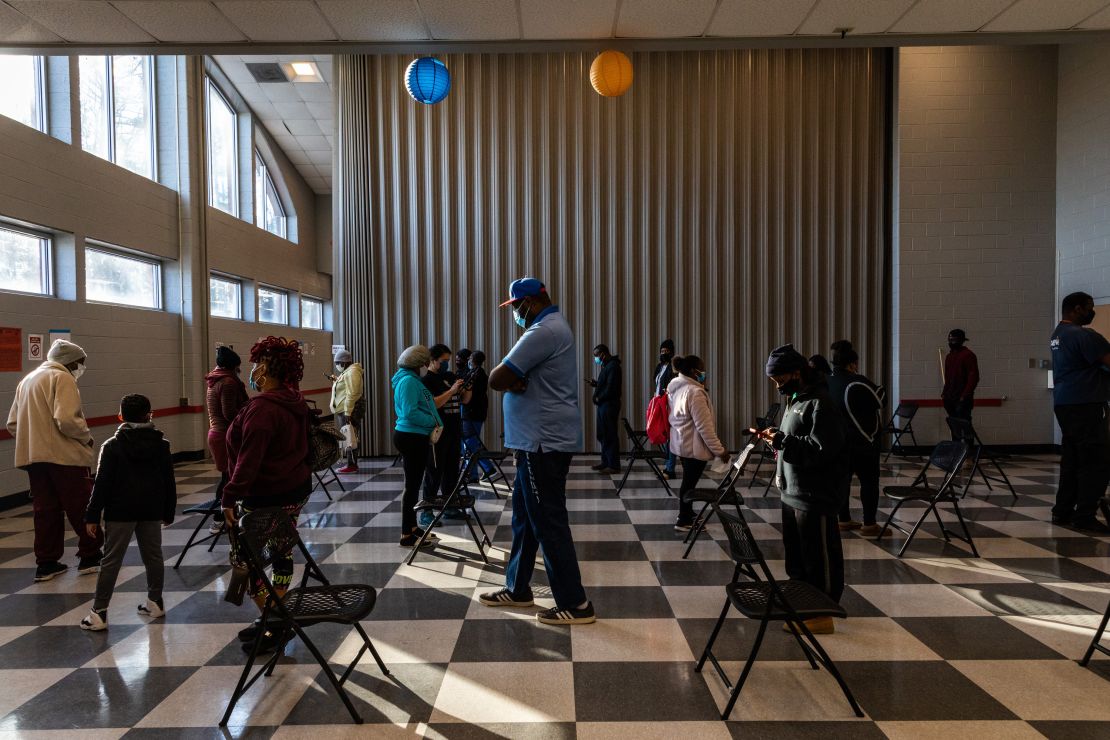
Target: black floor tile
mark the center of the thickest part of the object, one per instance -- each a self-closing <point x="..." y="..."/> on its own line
<point x="976" y="638"/>
<point x="511" y="640"/>
<point x="1019" y="599"/>
<point x="630" y="602"/>
<point x="652" y="692"/>
<point x="918" y="690"/>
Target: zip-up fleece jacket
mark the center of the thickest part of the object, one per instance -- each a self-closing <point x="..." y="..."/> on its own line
<point x="267" y="451"/>
<point x="413" y="404"/>
<point x="46" y="419"/>
<point x="811" y="452"/>
<point x="693" y="426"/>
<point x="134" y="478"/>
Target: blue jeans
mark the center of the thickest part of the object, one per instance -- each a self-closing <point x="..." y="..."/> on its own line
<point x="669" y="463"/>
<point x="471" y="434"/>
<point x="540" y="520"/>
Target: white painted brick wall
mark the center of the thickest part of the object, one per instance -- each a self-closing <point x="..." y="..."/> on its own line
<point x="977" y="146"/>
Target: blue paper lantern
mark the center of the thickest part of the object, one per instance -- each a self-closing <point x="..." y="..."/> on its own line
<point x="427" y="80"/>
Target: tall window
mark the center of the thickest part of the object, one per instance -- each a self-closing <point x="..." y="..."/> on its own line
<point x="223" y="170"/>
<point x="117" y="110"/>
<point x="114" y="277"/>
<point x="268" y="211"/>
<point x="24" y="261"/>
<point x="273" y="306"/>
<point x="225" y="297"/>
<point x="21" y="89"/>
<point x="312" y="313"/>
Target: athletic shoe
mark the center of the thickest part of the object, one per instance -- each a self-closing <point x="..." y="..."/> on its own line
<point x="410" y="540"/>
<point x="870" y="530"/>
<point x="669" y="474"/>
<point x="599" y="466"/>
<point x="269" y="642"/>
<point x="817" y="626"/>
<point x="609" y="471"/>
<point x="152" y="609"/>
<point x="95" y="621"/>
<point x="89" y="565"/>
<point x="1063" y="521"/>
<point x="46" y="571"/>
<point x="1091" y="526"/>
<point x="849" y="525"/>
<point x="555" y="615"/>
<point x="430" y="503"/>
<point x="681" y="526"/>
<point x="348" y="469"/>
<point x="217" y="525"/>
<point x="504" y="597"/>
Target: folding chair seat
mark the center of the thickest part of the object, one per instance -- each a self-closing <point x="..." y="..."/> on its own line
<point x="767" y="600"/>
<point x="262" y="536"/>
<point x="460" y="498"/>
<point x="724" y="493"/>
<point x="905" y="411"/>
<point x="962" y="429"/>
<point x="208" y="510"/>
<point x="948" y="458"/>
<point x="639" y="450"/>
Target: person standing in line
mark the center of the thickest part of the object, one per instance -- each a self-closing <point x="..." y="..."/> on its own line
<point x="664" y="374"/>
<point x="961" y="377"/>
<point x="417" y="419"/>
<point x="442" y="474"/>
<point x="54" y="445"/>
<point x="693" y="431"/>
<point x="860" y="402"/>
<point x="476" y="410"/>
<point x="809" y="473"/>
<point x="225" y="395"/>
<point x="607" y="397"/>
<point x="1081" y="400"/>
<point x="543" y="425"/>
<point x="462" y="362"/>
<point x="135" y="493"/>
<point x="348" y="401"/>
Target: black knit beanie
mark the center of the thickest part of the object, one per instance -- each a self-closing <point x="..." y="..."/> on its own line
<point x="227" y="358"/>
<point x="784" y="360"/>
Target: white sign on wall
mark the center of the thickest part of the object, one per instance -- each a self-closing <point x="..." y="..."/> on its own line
<point x="34" y="347"/>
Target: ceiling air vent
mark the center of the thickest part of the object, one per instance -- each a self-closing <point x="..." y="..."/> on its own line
<point x="267" y="72"/>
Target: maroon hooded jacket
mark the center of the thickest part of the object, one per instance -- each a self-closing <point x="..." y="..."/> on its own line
<point x="267" y="451"/>
<point x="225" y="396"/>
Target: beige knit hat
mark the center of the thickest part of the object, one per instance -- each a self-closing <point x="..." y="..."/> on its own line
<point x="64" y="352"/>
<point x="415" y="356"/>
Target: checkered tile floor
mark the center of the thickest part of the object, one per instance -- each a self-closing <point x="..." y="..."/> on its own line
<point x="937" y="644"/>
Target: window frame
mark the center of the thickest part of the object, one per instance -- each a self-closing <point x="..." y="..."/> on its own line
<point x="134" y="256"/>
<point x="210" y="87"/>
<point x="110" y="111"/>
<point x="264" y="288"/>
<point x="260" y="197"/>
<point x="39" y="63"/>
<point x="238" y="283"/>
<point x="46" y="259"/>
<point x="318" y="301"/>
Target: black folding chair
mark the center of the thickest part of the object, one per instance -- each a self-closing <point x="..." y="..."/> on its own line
<point x="947" y="457"/>
<point x="767" y="600"/>
<point x="905" y="412"/>
<point x="1096" y="641"/>
<point x="962" y="429"/>
<point x="461" y="499"/>
<point x="262" y="536"/>
<point x="326" y="477"/>
<point x="495" y="458"/>
<point x="640" y="451"/>
<point x="762" y="448"/>
<point x="724" y="493"/>
<point x="208" y="510"/>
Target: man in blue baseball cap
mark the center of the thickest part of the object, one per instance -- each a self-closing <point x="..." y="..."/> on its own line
<point x="543" y="425"/>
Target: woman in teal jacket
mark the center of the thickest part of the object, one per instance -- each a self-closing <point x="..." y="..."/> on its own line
<point x="417" y="417"/>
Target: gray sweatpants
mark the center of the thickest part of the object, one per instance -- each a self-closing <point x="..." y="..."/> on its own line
<point x="117" y="536"/>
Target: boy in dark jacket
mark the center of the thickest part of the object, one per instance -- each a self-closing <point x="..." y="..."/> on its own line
<point x="810" y="467"/>
<point x="135" y="493"/>
<point x="607" y="398"/>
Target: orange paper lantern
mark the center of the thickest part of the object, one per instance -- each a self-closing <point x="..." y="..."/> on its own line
<point x="611" y="73"/>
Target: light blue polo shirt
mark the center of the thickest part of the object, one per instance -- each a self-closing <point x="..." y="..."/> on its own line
<point x="546" y="414"/>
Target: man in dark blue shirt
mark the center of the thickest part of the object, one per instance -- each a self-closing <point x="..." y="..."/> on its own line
<point x="1081" y="396"/>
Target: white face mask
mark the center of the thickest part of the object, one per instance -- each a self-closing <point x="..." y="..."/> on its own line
<point x="79" y="372"/>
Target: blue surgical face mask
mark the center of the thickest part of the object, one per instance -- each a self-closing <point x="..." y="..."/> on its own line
<point x="597" y="360"/>
<point x="521" y="321"/>
<point x="253" y="381"/>
<point x="444" y="366"/>
<point x="701" y="377"/>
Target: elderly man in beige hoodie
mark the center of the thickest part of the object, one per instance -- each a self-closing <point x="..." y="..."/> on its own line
<point x="54" y="445"/>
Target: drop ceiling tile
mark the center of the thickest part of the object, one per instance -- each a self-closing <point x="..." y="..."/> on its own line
<point x="280" y="92"/>
<point x="17" y="28"/>
<point x="331" y="140"/>
<point x="382" y="20"/>
<point x="293" y="111"/>
<point x="664" y="18"/>
<point x="320" y="157"/>
<point x="1101" y="19"/>
<point x="314" y="144"/>
<point x="297" y="156"/>
<point x="91" y="21"/>
<point x="949" y="16"/>
<point x="1038" y="15"/>
<point x="263" y="109"/>
<point x="314" y="92"/>
<point x="277" y="20"/>
<point x="189" y="21"/>
<point x="321" y="110"/>
<point x="570" y="19"/>
<point x="472" y="20"/>
<point x="303" y="128"/>
<point x="327" y="126"/>
<point x="283" y="138"/>
<point x="862" y="16"/>
<point x="758" y="17"/>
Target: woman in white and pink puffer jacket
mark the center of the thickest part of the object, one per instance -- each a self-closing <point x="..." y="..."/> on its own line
<point x="693" y="430"/>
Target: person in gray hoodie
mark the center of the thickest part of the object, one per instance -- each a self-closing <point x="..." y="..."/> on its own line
<point x="811" y="447"/>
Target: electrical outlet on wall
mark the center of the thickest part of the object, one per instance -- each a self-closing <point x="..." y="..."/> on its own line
<point x="1046" y="364"/>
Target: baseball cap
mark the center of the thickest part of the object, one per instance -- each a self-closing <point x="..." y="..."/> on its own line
<point x="523" y="288"/>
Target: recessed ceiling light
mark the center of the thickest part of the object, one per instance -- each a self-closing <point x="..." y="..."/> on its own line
<point x="304" y="68"/>
<point x="303" y="72"/>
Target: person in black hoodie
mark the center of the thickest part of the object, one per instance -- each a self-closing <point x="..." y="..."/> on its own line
<point x="664" y="374"/>
<point x="135" y="493"/>
<point x="810" y="444"/>
<point x="607" y="398"/>
<point x="860" y="402"/>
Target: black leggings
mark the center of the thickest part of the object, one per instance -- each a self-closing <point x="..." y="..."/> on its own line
<point x="863" y="462"/>
<point x="414" y="451"/>
<point x="692" y="470"/>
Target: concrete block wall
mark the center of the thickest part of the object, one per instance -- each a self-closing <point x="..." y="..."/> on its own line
<point x="1083" y="171"/>
<point x="977" y="148"/>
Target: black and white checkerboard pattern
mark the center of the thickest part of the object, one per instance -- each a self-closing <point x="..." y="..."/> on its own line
<point x="938" y="644"/>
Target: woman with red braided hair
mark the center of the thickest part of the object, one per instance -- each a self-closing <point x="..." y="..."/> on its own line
<point x="267" y="450"/>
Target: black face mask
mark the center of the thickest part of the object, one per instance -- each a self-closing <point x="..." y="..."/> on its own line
<point x="790" y="387"/>
<point x="954" y="345"/>
<point x="444" y="366"/>
<point x="1087" y="318"/>
<point x="664" y="356"/>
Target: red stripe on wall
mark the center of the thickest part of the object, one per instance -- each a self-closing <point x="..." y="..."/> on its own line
<point x="936" y="403"/>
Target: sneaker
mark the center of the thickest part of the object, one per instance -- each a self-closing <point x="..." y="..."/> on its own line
<point x="46" y="571"/>
<point x="555" y="615"/>
<point x="348" y="469"/>
<point x="429" y="503"/>
<point x="668" y="474"/>
<point x="1091" y="526"/>
<point x="95" y="621"/>
<point x="89" y="565"/>
<point x="599" y="466"/>
<point x="152" y="609"/>
<point x="1063" y="521"/>
<point x="870" y="530"/>
<point x="817" y="626"/>
<point x="681" y="526"/>
<point x="849" y="525"/>
<point x="410" y="540"/>
<point x="504" y="597"/>
<point x="269" y="642"/>
<point x="217" y="526"/>
<point x="609" y="471"/>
